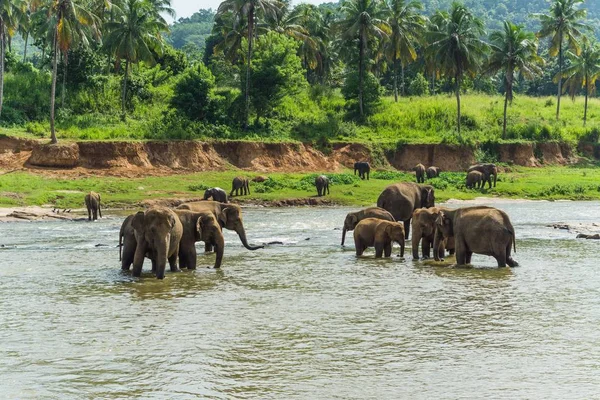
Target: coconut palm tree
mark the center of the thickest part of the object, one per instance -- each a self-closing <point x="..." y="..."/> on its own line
<point x="65" y="23"/>
<point x="135" y="35"/>
<point x="407" y="28"/>
<point x="514" y="51"/>
<point x="249" y="11"/>
<point x="563" y="23"/>
<point x="456" y="47"/>
<point x="11" y="14"/>
<point x="363" y="21"/>
<point x="583" y="72"/>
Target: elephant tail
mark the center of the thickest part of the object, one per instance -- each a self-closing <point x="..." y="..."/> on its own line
<point x="514" y="242"/>
<point x="120" y="245"/>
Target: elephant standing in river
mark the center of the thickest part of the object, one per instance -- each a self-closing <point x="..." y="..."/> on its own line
<point x="127" y="243"/>
<point x="420" y="173"/>
<point x="322" y="184"/>
<point x="423" y="230"/>
<point x="217" y="194"/>
<point x="363" y="168"/>
<point x="488" y="170"/>
<point x="401" y="199"/>
<point x="199" y="226"/>
<point x="355" y="217"/>
<point x="228" y="215"/>
<point x="380" y="234"/>
<point x="92" y="203"/>
<point x="240" y="185"/>
<point x="158" y="232"/>
<point x="481" y="230"/>
<point x="433" y="172"/>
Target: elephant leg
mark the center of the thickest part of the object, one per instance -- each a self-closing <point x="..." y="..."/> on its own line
<point x="461" y="253"/>
<point x="509" y="260"/>
<point x="138" y="259"/>
<point x="153" y="266"/>
<point x="378" y="250"/>
<point x="360" y="249"/>
<point x="95" y="212"/>
<point x="89" y="214"/>
<point x="406" y="228"/>
<point x="173" y="260"/>
<point x="468" y="256"/>
<point x="208" y="248"/>
<point x="128" y="255"/>
<point x="501" y="258"/>
<point x="387" y="249"/>
<point x="426" y="248"/>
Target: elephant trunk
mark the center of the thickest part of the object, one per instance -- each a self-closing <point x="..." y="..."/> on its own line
<point x="437" y="242"/>
<point x="344" y="235"/>
<point x="161" y="257"/>
<point x="219" y="248"/>
<point x="242" y="234"/>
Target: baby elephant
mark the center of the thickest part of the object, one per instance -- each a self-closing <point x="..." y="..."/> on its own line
<point x="240" y="185"/>
<point x="322" y="184"/>
<point x="217" y="194"/>
<point x="420" y="173"/>
<point x="92" y="202"/>
<point x="433" y="172"/>
<point x="475" y="179"/>
<point x="353" y="218"/>
<point x="379" y="234"/>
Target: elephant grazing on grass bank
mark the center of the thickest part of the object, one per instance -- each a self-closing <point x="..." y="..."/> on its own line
<point x="420" y="173"/>
<point x="481" y="230"/>
<point x="92" y="203"/>
<point x="199" y="226"/>
<point x="240" y="185"/>
<point x="423" y="231"/>
<point x="363" y="168"/>
<point x="354" y="218"/>
<point x="322" y="184"/>
<point x="378" y="233"/>
<point x="475" y="179"/>
<point x="217" y="194"/>
<point x="433" y="172"/>
<point x="158" y="232"/>
<point x="488" y="170"/>
<point x="401" y="199"/>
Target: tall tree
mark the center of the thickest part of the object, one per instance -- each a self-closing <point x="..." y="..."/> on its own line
<point x="562" y="23"/>
<point x="248" y="11"/>
<point x="456" y="47"/>
<point x="514" y="51"/>
<point x="583" y="72"/>
<point x="11" y="14"/>
<point x="135" y="35"/>
<point x="407" y="28"/>
<point x="66" y="23"/>
<point x="363" y="22"/>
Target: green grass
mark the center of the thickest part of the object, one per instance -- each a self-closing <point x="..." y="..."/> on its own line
<point x="552" y="183"/>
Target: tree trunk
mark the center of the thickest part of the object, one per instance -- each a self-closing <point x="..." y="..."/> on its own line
<point x="560" y="68"/>
<point x="402" y="79"/>
<point x="587" y="92"/>
<point x="458" y="103"/>
<point x="360" y="77"/>
<point x="395" y="79"/>
<point x="248" y="61"/>
<point x="53" y="90"/>
<point x="25" y="50"/>
<point x="2" y="51"/>
<point x="124" y="93"/>
<point x="433" y="83"/>
<point x="64" y="82"/>
<point x="505" y="106"/>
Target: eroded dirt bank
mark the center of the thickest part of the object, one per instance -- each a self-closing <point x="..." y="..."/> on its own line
<point x="132" y="159"/>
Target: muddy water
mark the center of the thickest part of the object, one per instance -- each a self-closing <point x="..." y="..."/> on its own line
<point x="302" y="320"/>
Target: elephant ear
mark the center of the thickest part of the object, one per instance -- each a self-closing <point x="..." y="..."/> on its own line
<point x="172" y="220"/>
<point x="138" y="221"/>
<point x="439" y="221"/>
<point x="223" y="217"/>
<point x="198" y="232"/>
<point x="353" y="220"/>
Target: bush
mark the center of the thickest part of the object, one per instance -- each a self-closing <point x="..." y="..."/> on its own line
<point x="418" y="86"/>
<point x="200" y="187"/>
<point x="193" y="94"/>
<point x="372" y="92"/>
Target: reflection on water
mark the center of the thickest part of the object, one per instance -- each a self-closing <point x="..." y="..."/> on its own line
<point x="305" y="319"/>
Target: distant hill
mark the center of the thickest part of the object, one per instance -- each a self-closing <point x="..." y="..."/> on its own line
<point x="193" y="30"/>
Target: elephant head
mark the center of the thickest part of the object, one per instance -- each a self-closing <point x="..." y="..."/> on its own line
<point x="427" y="196"/>
<point x="395" y="232"/>
<point x="209" y="231"/>
<point x="349" y="225"/>
<point x="158" y="232"/>
<point x="444" y="229"/>
<point x="230" y="217"/>
<point x="208" y="194"/>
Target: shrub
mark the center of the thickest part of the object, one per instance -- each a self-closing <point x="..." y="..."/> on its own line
<point x="193" y="94"/>
<point x="200" y="187"/>
<point x="372" y="92"/>
<point x="418" y="86"/>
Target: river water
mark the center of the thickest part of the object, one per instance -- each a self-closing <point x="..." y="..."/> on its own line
<point x="305" y="319"/>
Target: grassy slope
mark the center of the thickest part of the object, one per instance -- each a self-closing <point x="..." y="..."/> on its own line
<point x="20" y="189"/>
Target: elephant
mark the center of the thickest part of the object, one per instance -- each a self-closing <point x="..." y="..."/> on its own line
<point x="433" y="172"/>
<point x="487" y="170"/>
<point x="423" y="230"/>
<point x="158" y="232"/>
<point x="228" y="215"/>
<point x="322" y="184"/>
<point x="475" y="179"/>
<point x="217" y="194"/>
<point x="363" y="168"/>
<point x="240" y="185"/>
<point x="380" y="234"/>
<point x="481" y="230"/>
<point x="354" y="218"/>
<point x="92" y="202"/>
<point x="127" y="243"/>
<point x="199" y="226"/>
<point x="401" y="199"/>
<point x="420" y="173"/>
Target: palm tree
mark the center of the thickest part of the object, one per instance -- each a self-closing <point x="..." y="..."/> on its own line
<point x="66" y="23"/>
<point x="514" y="50"/>
<point x="11" y="12"/>
<point x="562" y="23"/>
<point x="407" y="28"/>
<point x="584" y="71"/>
<point x="248" y="11"/>
<point x="362" y="21"/>
<point x="456" y="47"/>
<point x="134" y="35"/>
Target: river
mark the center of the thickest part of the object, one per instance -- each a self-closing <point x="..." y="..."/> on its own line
<point x="302" y="320"/>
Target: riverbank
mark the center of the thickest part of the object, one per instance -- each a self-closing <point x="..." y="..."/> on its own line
<point x="25" y="188"/>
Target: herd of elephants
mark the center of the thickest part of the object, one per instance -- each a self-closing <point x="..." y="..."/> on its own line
<point x="164" y="234"/>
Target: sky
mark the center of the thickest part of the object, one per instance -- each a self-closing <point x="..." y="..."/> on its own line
<point x="185" y="8"/>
